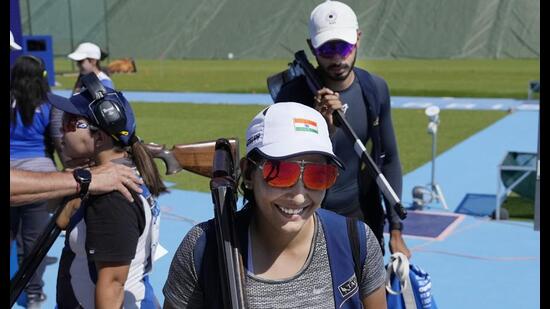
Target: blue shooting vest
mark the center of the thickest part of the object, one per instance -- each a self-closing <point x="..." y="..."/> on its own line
<point x="345" y="286"/>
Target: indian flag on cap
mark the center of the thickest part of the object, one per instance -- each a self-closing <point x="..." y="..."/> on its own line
<point x="301" y="124"/>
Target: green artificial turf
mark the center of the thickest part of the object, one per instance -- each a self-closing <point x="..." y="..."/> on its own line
<point x="189" y="123"/>
<point x="453" y="78"/>
<point x="170" y="124"/>
<point x="519" y="208"/>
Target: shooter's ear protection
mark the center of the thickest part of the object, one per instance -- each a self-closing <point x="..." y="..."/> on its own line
<point x="106" y="108"/>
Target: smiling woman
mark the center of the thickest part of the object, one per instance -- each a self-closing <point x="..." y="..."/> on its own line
<point x="294" y="253"/>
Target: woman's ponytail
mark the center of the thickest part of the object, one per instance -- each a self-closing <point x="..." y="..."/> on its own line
<point x="147" y="168"/>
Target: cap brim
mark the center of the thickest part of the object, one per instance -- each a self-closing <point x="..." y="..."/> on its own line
<point x="271" y="153"/>
<point x="345" y="34"/>
<point x="64" y="104"/>
<point x="77" y="56"/>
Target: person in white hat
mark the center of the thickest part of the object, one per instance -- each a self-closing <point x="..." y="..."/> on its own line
<point x="88" y="56"/>
<point x="13" y="45"/>
<point x="334" y="39"/>
<point x="295" y="255"/>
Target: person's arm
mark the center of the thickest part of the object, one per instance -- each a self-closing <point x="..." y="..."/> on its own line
<point x="113" y="228"/>
<point x="182" y="289"/>
<point x="68" y="211"/>
<point x="391" y="169"/>
<point x="326" y="102"/>
<point x="111" y="277"/>
<point x="376" y="299"/>
<point x="373" y="277"/>
<point x="27" y="187"/>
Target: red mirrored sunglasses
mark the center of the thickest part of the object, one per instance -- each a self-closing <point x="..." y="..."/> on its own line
<point x="285" y="174"/>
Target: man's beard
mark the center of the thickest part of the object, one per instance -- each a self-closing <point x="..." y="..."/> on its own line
<point x="327" y="74"/>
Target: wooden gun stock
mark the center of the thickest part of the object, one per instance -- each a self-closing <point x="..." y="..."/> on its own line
<point x="196" y="158"/>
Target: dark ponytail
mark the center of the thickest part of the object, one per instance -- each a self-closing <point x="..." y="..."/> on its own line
<point x="28" y="88"/>
<point x="147" y="168"/>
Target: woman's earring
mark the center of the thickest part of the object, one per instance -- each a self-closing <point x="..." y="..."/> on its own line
<point x="247" y="185"/>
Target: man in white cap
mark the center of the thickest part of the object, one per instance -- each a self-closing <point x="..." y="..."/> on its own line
<point x="334" y="40"/>
<point x="13" y="45"/>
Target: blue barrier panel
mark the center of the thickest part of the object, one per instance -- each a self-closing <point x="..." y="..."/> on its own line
<point x="41" y="46"/>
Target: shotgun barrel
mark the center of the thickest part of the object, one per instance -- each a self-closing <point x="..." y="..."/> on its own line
<point x="223" y="187"/>
<point x="34" y="258"/>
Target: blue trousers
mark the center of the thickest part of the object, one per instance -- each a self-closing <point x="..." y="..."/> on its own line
<point x="27" y="223"/>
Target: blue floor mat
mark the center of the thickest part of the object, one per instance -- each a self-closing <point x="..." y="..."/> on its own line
<point x="477" y="205"/>
<point x="429" y="224"/>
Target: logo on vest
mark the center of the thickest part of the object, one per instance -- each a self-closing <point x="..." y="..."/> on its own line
<point x="349" y="287"/>
<point x="345" y="108"/>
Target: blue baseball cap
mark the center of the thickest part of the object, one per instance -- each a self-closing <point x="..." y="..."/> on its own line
<point x="83" y="104"/>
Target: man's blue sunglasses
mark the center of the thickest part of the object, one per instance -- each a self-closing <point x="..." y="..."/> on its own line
<point x="333" y="48"/>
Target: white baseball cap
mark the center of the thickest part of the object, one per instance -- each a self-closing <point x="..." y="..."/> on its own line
<point x="86" y="50"/>
<point x="332" y="20"/>
<point x="289" y="129"/>
<point x="13" y="45"/>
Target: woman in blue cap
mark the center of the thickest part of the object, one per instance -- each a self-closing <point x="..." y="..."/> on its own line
<point x="87" y="57"/>
<point x="110" y="243"/>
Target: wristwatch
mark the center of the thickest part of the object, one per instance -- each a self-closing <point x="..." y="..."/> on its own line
<point x="83" y="177"/>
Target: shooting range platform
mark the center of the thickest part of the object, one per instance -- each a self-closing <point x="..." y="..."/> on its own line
<point x="429" y="225"/>
<point x="480" y="263"/>
<point x="477" y="204"/>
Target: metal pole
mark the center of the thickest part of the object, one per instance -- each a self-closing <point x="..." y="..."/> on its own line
<point x="434" y="141"/>
<point x="497" y="197"/>
<point x="436" y="192"/>
<point x="71" y="30"/>
<point x="39" y="250"/>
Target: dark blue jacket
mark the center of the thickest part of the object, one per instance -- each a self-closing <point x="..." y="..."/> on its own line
<point x="380" y="132"/>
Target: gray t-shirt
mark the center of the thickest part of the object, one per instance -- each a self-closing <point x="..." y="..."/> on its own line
<point x="311" y="287"/>
<point x="343" y="196"/>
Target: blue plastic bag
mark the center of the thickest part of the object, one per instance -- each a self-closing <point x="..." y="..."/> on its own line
<point x="408" y="286"/>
